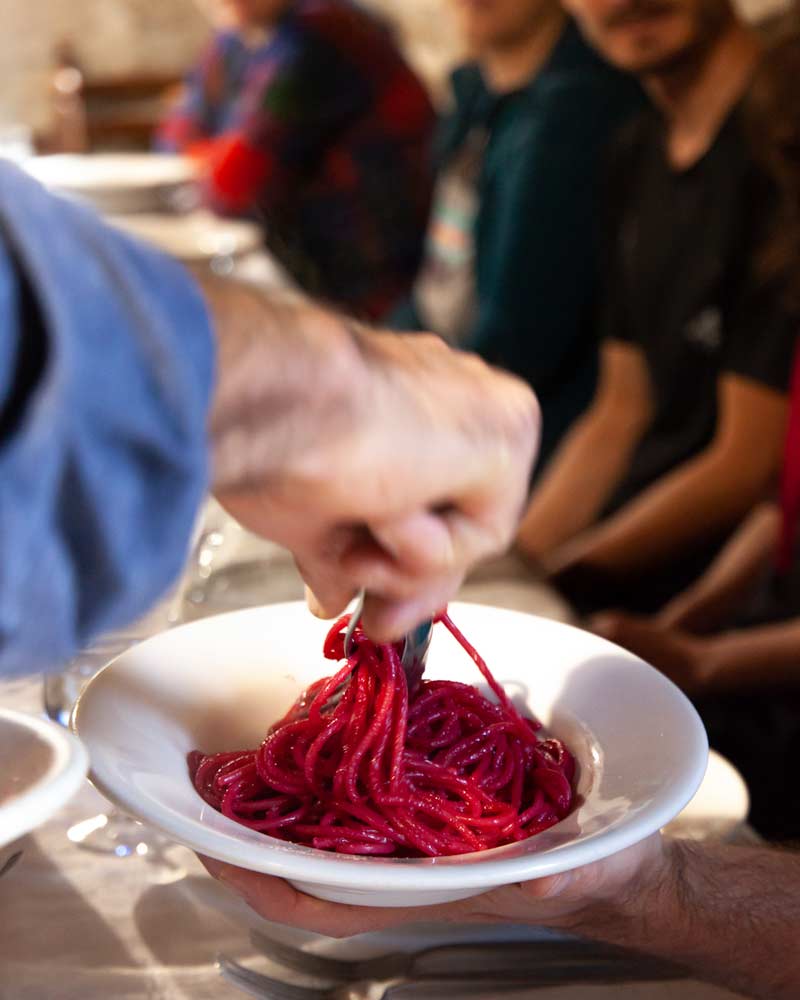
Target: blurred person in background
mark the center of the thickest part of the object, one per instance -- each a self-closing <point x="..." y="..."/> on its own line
<point x="305" y="117"/>
<point x="731" y="640"/>
<point x="685" y="432"/>
<point x="509" y="265"/>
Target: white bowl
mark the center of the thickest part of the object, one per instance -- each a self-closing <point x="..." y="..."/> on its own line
<point x="41" y="768"/>
<point x="218" y="683"/>
<point x="116" y="182"/>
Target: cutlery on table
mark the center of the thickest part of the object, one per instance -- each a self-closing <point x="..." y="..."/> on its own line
<point x="519" y="957"/>
<point x="474" y="969"/>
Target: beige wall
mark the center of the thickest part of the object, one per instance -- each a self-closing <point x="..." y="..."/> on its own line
<point x="427" y="31"/>
<point x="108" y="35"/>
<point x="129" y="35"/>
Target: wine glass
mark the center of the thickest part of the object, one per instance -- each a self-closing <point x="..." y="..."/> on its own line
<point x="231" y="568"/>
<point x="113" y="832"/>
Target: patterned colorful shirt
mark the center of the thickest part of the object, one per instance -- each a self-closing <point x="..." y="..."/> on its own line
<point x="322" y="134"/>
<point x="511" y="252"/>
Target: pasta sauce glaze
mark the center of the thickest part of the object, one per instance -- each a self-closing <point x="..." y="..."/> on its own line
<point x="361" y="766"/>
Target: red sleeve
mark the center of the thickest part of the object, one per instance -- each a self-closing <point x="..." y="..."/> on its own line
<point x="295" y="106"/>
<point x="237" y="172"/>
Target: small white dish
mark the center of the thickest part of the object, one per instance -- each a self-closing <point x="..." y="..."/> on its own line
<point x="116" y="182"/>
<point x="41" y="768"/>
<point x="193" y="236"/>
<point x="218" y="684"/>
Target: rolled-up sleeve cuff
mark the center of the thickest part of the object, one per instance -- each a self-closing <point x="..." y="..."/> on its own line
<point x="105" y="461"/>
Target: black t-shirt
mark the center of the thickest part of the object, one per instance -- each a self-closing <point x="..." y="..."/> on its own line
<point x="681" y="282"/>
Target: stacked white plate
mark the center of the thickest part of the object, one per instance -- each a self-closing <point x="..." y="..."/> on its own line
<point x="193" y="237"/>
<point x="116" y="183"/>
<point x="41" y="767"/>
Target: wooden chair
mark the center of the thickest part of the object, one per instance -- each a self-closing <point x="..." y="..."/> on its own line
<point x="105" y="113"/>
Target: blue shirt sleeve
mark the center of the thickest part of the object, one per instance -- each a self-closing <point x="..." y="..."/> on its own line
<point x="106" y="368"/>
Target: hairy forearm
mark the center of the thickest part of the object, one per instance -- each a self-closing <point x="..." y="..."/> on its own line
<point x="730" y="914"/>
<point x="287" y="374"/>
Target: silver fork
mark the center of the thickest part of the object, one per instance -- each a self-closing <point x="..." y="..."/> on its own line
<point x="481" y="958"/>
<point x="415" y="651"/>
<point x="9" y="863"/>
<point x="415" y="645"/>
<point x="255" y="984"/>
<point x="264" y="987"/>
<point x="517" y="958"/>
<point x="529" y="971"/>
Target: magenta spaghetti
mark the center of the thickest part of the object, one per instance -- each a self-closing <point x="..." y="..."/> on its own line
<point x="361" y="766"/>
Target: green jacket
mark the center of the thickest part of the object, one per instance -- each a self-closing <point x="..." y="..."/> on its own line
<point x="537" y="221"/>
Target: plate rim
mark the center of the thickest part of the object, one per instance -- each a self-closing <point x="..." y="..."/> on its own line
<point x="34" y="806"/>
<point x="183" y="171"/>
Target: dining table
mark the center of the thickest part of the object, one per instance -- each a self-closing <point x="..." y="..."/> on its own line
<point x="143" y="919"/>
